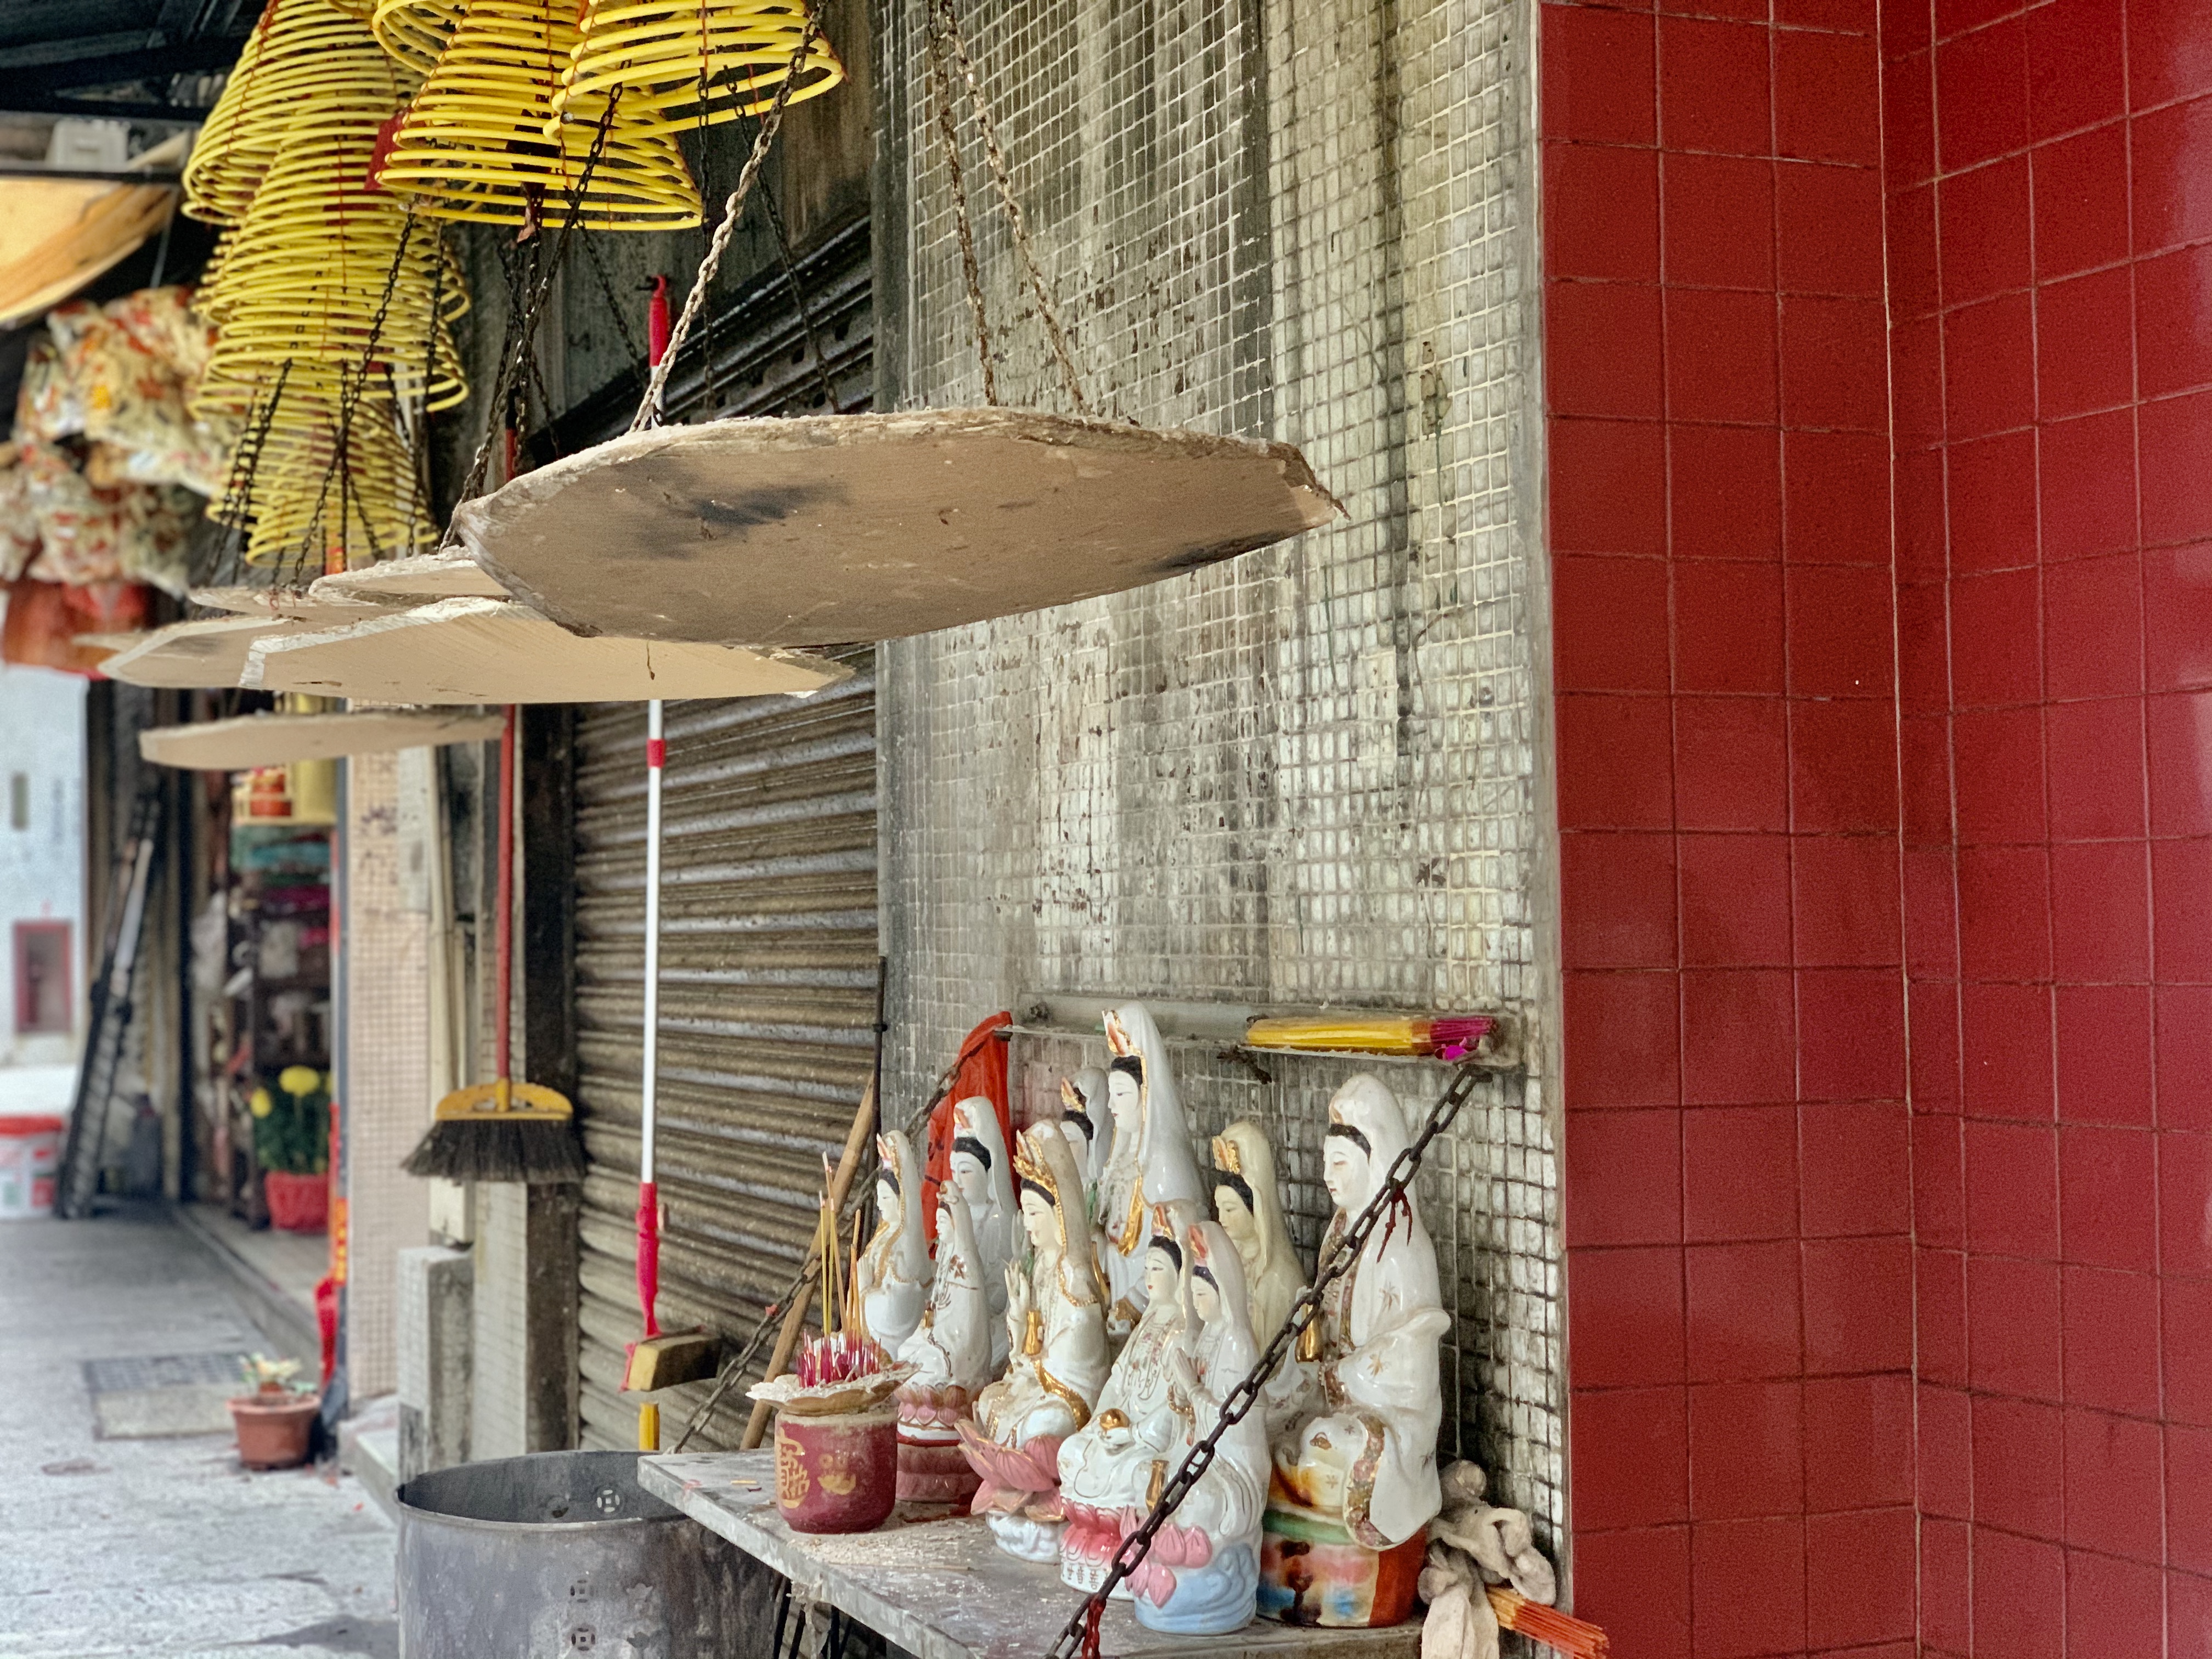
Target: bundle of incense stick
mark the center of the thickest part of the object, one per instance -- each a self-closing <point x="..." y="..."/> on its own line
<point x="1575" y="1638"/>
<point x="843" y="1358"/>
<point x="1442" y="1037"/>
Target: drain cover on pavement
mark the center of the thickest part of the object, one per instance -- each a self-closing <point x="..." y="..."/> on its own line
<point x="153" y="1397"/>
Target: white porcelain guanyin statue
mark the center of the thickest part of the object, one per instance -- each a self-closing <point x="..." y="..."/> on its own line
<point x="984" y="1175"/>
<point x="1365" y="1452"/>
<point x="891" y="1278"/>
<point x="1056" y="1321"/>
<point x="1087" y="1121"/>
<point x="1150" y="1163"/>
<point x="1249" y="1204"/>
<point x="1114" y="1465"/>
<point x="950" y="1349"/>
<point x="1201" y="1576"/>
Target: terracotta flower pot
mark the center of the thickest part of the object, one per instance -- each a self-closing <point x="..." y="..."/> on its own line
<point x="273" y="1428"/>
<point x="297" y="1203"/>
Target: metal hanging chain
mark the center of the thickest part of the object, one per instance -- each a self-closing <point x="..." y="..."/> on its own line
<point x="649" y="408"/>
<point x="963" y="220"/>
<point x="1002" y="181"/>
<point x="1080" y="1636"/>
<point x="797" y="301"/>
<point x="524" y="333"/>
<point x="614" y="305"/>
<point x="355" y="385"/>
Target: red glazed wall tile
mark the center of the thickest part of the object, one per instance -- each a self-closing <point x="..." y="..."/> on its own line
<point x="2111" y="1327"/>
<point x="1624" y="1178"/>
<point x="1619" y="505"/>
<point x="1636" y="1585"/>
<point x="1829" y="230"/>
<point x="1746" y="1449"/>
<point x="1624" y="246"/>
<point x="2168" y="55"/>
<point x="2081" y="207"/>
<point x="1984" y="221"/>
<point x="1600" y="76"/>
<point x="1747" y="1587"/>
<point x="2104" y="1048"/>
<point x="1726" y="492"/>
<point x="1720" y="220"/>
<point x="2096" y="757"/>
<point x="2018" y="1595"/>
<point x="2076" y="72"/>
<point x="2018" y="1444"/>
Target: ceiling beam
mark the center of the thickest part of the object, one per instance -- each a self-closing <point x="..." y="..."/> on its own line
<point x="98" y="109"/>
<point x="113" y="68"/>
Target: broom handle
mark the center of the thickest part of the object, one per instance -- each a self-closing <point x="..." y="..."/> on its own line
<point x="794" y="1318"/>
<point x="648" y="1198"/>
<point x="505" y="923"/>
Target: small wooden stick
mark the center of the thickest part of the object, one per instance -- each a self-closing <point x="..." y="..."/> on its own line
<point x="794" y="1318"/>
<point x="1577" y="1638"/>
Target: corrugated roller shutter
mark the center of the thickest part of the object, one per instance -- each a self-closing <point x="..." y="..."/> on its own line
<point x="768" y="1005"/>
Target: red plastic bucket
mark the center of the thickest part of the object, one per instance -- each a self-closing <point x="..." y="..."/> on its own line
<point x="30" y="1147"/>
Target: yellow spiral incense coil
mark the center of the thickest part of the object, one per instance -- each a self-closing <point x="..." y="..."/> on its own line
<point x="332" y="278"/>
<point x="682" y="63"/>
<point x="305" y="62"/>
<point x="474" y="143"/>
<point x="302" y="505"/>
<point x="416" y="32"/>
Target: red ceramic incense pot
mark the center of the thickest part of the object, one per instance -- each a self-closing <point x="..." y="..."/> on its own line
<point x="836" y="1473"/>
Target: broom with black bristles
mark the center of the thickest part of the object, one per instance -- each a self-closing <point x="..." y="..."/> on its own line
<point x="503" y="1130"/>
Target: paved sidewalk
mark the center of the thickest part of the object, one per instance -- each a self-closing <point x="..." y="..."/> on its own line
<point x="163" y="1547"/>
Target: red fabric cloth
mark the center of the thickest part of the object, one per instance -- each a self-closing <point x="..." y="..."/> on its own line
<point x="44" y="618"/>
<point x="980" y="1069"/>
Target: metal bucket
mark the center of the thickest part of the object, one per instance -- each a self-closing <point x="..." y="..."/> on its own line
<point x="561" y="1554"/>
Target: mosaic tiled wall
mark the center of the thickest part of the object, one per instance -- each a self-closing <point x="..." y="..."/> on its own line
<point x="1314" y="774"/>
<point x="386" y="1089"/>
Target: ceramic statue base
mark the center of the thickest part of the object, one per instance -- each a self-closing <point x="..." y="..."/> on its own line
<point x="1025" y="1538"/>
<point x="933" y="1470"/>
<point x="1313" y="1571"/>
<point x="1187" y="1588"/>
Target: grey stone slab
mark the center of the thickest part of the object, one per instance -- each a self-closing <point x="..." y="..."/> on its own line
<point x="942" y="1589"/>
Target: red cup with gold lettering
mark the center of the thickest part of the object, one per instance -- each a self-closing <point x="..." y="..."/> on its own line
<point x="836" y="1473"/>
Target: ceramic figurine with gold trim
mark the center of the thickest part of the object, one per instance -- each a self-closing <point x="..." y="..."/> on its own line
<point x="1201" y="1576"/>
<point x="1249" y="1204"/>
<point x="985" y="1176"/>
<point x="1151" y="1163"/>
<point x="892" y="1279"/>
<point x="1116" y="1463"/>
<point x="1088" y="1124"/>
<point x="1056" y="1322"/>
<point x="1355" y="1477"/>
<point x="949" y="1350"/>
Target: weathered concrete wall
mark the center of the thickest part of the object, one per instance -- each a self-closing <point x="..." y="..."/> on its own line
<point x="1316" y="775"/>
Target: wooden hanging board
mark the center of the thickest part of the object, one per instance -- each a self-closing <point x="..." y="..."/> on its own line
<point x="492" y="651"/>
<point x="831" y="528"/>
<point x="421" y="576"/>
<point x="250" y="740"/>
<point x="206" y="655"/>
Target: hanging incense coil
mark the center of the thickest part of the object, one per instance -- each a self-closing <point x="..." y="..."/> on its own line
<point x="416" y="32"/>
<point x="306" y="65"/>
<point x="313" y="501"/>
<point x="474" y="146"/>
<point x="682" y="63"/>
<point x="339" y="282"/>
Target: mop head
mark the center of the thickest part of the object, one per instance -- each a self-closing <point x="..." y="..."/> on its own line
<point x="529" y="1138"/>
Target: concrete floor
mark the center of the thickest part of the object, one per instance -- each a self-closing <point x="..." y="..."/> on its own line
<point x="162" y="1548"/>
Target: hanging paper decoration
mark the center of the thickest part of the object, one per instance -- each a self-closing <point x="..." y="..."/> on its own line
<point x="681" y="64"/>
<point x="474" y="144"/>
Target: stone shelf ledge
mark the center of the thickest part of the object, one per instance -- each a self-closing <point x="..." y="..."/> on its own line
<point x="942" y="1589"/>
